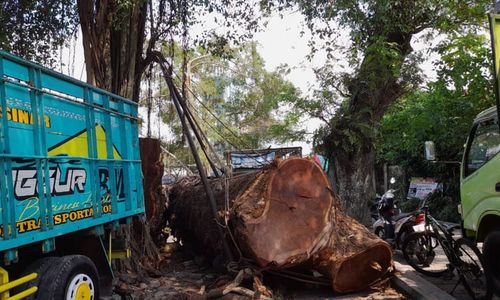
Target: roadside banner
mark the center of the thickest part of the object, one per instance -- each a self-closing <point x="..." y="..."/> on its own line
<point x="421" y="187"/>
<point x="251" y="160"/>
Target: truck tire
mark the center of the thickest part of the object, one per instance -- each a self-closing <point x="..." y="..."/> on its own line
<point x="40" y="267"/>
<point x="74" y="277"/>
<point x="491" y="248"/>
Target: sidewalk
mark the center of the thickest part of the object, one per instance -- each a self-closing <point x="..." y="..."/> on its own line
<point x="425" y="286"/>
<point x="415" y="285"/>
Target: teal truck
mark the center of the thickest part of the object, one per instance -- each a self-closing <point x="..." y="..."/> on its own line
<point x="70" y="180"/>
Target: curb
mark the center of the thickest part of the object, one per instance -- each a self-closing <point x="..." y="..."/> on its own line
<point x="412" y="284"/>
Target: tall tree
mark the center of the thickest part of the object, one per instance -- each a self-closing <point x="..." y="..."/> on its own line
<point x="462" y="89"/>
<point x="36" y="29"/>
<point x="381" y="32"/>
<point x="442" y="112"/>
<point x="120" y="38"/>
<point x="236" y="101"/>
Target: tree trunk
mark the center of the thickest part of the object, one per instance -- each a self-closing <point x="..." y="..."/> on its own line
<point x="113" y="37"/>
<point x="283" y="216"/>
<point x="355" y="181"/>
<point x="154" y="197"/>
<point x="353" y="257"/>
<point x="350" y="144"/>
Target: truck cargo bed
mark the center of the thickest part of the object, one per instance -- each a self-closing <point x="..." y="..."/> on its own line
<point x="69" y="155"/>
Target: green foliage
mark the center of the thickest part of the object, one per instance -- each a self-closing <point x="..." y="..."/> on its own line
<point x="445" y="110"/>
<point x="382" y="65"/>
<point x="36" y="29"/>
<point x="442" y="112"/>
<point x="234" y="22"/>
<point x="444" y="208"/>
<point x="441" y="207"/>
<point x="253" y="103"/>
<point x="369" y="20"/>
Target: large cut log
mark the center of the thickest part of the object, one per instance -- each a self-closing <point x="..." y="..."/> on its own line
<point x="285" y="215"/>
<point x="353" y="257"/>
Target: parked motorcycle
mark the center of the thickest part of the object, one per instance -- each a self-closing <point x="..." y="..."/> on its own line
<point x="402" y="222"/>
<point x="373" y="205"/>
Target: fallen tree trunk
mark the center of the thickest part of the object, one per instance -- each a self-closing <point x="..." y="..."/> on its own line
<point x="283" y="216"/>
<point x="353" y="257"/>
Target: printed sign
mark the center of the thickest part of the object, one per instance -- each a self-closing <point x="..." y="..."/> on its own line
<point x="251" y="160"/>
<point x="421" y="187"/>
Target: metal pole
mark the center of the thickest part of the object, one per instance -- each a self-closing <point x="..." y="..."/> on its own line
<point x="197" y="159"/>
<point x="194" y="128"/>
<point x="494" y="49"/>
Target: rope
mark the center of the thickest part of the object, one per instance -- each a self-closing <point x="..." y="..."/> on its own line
<point x="243" y="142"/>
<point x="213" y="128"/>
<point x="225" y="138"/>
<point x="227" y="177"/>
<point x="204" y="137"/>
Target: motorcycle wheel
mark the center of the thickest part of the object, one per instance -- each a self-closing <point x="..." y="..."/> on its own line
<point x="425" y="254"/>
<point x="403" y="235"/>
<point x="380" y="232"/>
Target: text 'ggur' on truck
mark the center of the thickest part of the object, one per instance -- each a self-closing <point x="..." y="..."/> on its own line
<point x="70" y="176"/>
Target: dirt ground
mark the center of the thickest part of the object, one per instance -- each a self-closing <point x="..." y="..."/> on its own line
<point x="184" y="277"/>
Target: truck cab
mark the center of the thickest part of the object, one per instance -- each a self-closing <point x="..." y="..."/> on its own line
<point x="480" y="176"/>
<point x="480" y="188"/>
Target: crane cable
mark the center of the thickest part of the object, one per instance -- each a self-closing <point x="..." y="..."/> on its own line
<point x="180" y="107"/>
<point x="225" y="126"/>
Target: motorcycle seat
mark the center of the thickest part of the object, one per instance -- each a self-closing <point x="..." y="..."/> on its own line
<point x="400" y="216"/>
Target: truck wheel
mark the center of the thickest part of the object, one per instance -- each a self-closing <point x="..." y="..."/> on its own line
<point x="40" y="267"/>
<point x="74" y="277"/>
<point x="491" y="248"/>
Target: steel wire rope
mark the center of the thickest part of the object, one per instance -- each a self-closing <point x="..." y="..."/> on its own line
<point x="226" y="139"/>
<point x="214" y="129"/>
<point x="224" y="125"/>
<point x="243" y="142"/>
<point x="203" y="135"/>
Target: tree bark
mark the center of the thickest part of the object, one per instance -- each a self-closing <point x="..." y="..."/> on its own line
<point x="350" y="144"/>
<point x="283" y="216"/>
<point x="353" y="257"/>
<point x="113" y="37"/>
<point x="154" y="197"/>
<point x="354" y="179"/>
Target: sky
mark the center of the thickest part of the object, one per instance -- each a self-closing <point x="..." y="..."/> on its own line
<point x="279" y="43"/>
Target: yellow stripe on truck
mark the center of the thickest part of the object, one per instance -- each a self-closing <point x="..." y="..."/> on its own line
<point x="5" y="285"/>
<point x="24" y="293"/>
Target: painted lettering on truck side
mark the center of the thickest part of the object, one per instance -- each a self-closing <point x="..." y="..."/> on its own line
<point x="66" y="179"/>
<point x="22" y="116"/>
<point x="62" y="218"/>
<point x="26" y="182"/>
